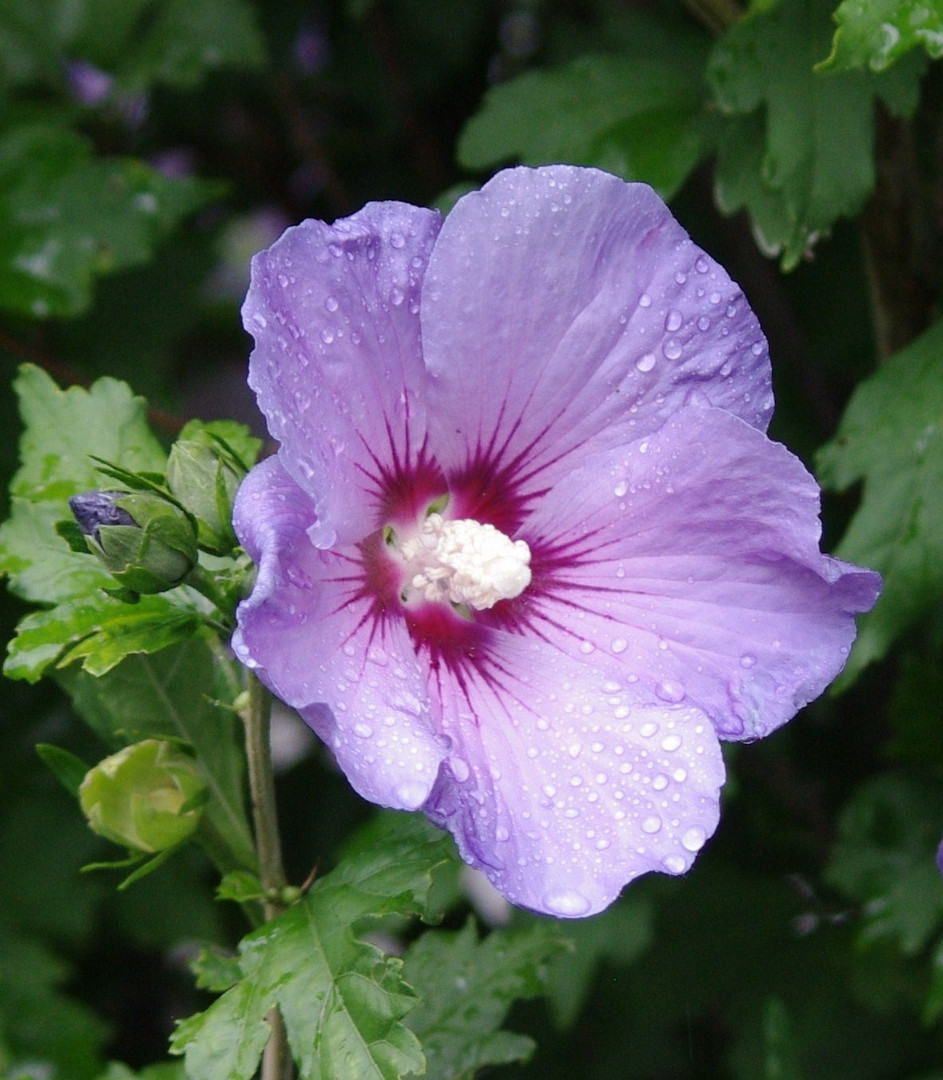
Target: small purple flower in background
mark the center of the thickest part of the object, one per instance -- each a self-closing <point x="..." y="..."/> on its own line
<point x="525" y="554"/>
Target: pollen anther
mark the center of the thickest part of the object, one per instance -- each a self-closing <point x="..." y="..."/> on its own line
<point x="465" y="562"/>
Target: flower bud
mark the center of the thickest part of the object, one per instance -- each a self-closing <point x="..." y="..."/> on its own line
<point x="204" y="479"/>
<point x="147" y="542"/>
<point x="137" y="797"/>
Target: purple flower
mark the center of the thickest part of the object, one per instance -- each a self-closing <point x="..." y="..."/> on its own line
<point x="526" y="554"/>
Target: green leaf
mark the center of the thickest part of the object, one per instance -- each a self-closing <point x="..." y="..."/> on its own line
<point x="68" y="769"/>
<point x="640" y="117"/>
<point x="878" y="32"/>
<point x="781" y="1053"/>
<point x="100" y="633"/>
<point x="619" y="935"/>
<point x="171" y="694"/>
<point x="799" y="153"/>
<point x="891" y="438"/>
<point x="884" y="858"/>
<point x="69" y="217"/>
<point x="216" y="971"/>
<point x="231" y="435"/>
<point x="64" y="430"/>
<point x="341" y="998"/>
<point x="466" y="987"/>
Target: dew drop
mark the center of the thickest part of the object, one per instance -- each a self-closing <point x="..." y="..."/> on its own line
<point x="574" y="749"/>
<point x="675" y="864"/>
<point x="567" y="903"/>
<point x="460" y="769"/>
<point x="331" y="303"/>
<point x="703" y="324"/>
<point x="501" y="833"/>
<point x="680" y="775"/>
<point x="648" y="729"/>
<point x="670" y="691"/>
<point x="673" y="321"/>
<point x="702" y="265"/>
<point x="672" y="348"/>
<point x="620" y="489"/>
<point x="681" y="277"/>
<point x="411" y="794"/>
<point x="646" y="362"/>
<point x="671" y="742"/>
<point x="651" y="824"/>
<point x="327" y="336"/>
<point x="363" y="731"/>
<point x="693" y="839"/>
<point x="586" y="647"/>
<point x="660" y="782"/>
<point x="644" y="301"/>
<point x="260" y="321"/>
<point x="619" y="645"/>
<point x="397" y="296"/>
<point x="747" y="660"/>
<point x="397" y="240"/>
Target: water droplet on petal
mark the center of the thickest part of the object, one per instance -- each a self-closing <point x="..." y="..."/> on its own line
<point x="331" y="303"/>
<point x="675" y="864"/>
<point x="501" y="833"/>
<point x="460" y="769"/>
<point x="671" y="742"/>
<point x="648" y="729"/>
<point x="363" y="731"/>
<point x="693" y="839"/>
<point x="673" y="321"/>
<point x="397" y="296"/>
<point x="327" y="335"/>
<point x="672" y="348"/>
<point x="644" y="300"/>
<point x="397" y="240"/>
<point x="702" y="265"/>
<point x="567" y="903"/>
<point x="646" y="362"/>
<point x="619" y="645"/>
<point x="651" y="824"/>
<point x="620" y="489"/>
<point x="412" y="794"/>
<point x="586" y="647"/>
<point x="260" y="321"/>
<point x="670" y="691"/>
<point x="747" y="661"/>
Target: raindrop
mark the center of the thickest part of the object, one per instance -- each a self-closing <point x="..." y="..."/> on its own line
<point x="681" y="277"/>
<point x="397" y="240"/>
<point x="586" y="647"/>
<point x="660" y="782"/>
<point x="702" y="265"/>
<point x="460" y="769"/>
<point x="747" y="661"/>
<point x="670" y="691"/>
<point x="680" y="775"/>
<point x="574" y="750"/>
<point x="703" y="323"/>
<point x="675" y="864"/>
<point x="648" y="729"/>
<point x="671" y="742"/>
<point x="644" y="300"/>
<point x="693" y="839"/>
<point x="260" y="321"/>
<point x="619" y="645"/>
<point x="567" y="903"/>
<point x="363" y="731"/>
<point x="673" y="321"/>
<point x="501" y="833"/>
<point x="411" y="793"/>
<point x="331" y="303"/>
<point x="672" y="348"/>
<point x="646" y="362"/>
<point x="651" y="824"/>
<point x="620" y="489"/>
<point x="327" y="336"/>
<point x="397" y="296"/>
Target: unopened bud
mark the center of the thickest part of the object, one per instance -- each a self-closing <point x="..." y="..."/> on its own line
<point x="147" y="797"/>
<point x="204" y="479"/>
<point x="147" y="542"/>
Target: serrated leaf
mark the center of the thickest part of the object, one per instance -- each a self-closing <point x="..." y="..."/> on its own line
<point x="341" y="998"/>
<point x="64" y="430"/>
<point x="876" y="33"/>
<point x="100" y="633"/>
<point x="70" y="216"/>
<point x="466" y="987"/>
<point x="891" y="438"/>
<point x="639" y="117"/>
<point x="811" y="161"/>
<point x="885" y="857"/>
<point x="216" y="971"/>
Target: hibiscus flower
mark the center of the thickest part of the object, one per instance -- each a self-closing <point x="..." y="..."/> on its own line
<point x="525" y="554"/>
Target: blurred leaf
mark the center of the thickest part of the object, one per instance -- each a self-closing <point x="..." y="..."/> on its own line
<point x="68" y="769"/>
<point x="799" y="154"/>
<point x="171" y="693"/>
<point x="185" y="39"/>
<point x="781" y="1052"/>
<point x="915" y="715"/>
<point x="39" y="1025"/>
<point x="466" y="987"/>
<point x="342" y="999"/>
<point x="890" y="438"/>
<point x="68" y="216"/>
<point x="877" y="32"/>
<point x="619" y="935"/>
<point x="172" y="1070"/>
<point x="885" y="858"/>
<point x="639" y="117"/>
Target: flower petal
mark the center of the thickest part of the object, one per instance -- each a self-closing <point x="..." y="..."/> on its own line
<point x="562" y="786"/>
<point x="337" y="365"/>
<point x="693" y="556"/>
<point x="320" y="648"/>
<point x="565" y="311"/>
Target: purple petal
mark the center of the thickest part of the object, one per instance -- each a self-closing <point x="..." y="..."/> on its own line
<point x="565" y="311"/>
<point x="317" y="645"/>
<point x="337" y="365"/>
<point x="693" y="557"/>
<point x="562" y="787"/>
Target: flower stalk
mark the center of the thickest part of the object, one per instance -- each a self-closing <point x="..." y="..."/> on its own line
<point x="256" y="717"/>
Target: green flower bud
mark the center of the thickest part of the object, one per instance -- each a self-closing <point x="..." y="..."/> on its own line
<point x="204" y="478"/>
<point x="137" y="797"/>
<point x="147" y="542"/>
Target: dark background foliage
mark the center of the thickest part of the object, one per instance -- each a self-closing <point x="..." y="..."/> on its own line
<point x="148" y="147"/>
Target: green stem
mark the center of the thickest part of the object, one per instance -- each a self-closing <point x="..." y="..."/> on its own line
<point x="206" y="585"/>
<point x="256" y="716"/>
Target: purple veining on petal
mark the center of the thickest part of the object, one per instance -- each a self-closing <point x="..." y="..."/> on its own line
<point x="558" y="370"/>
